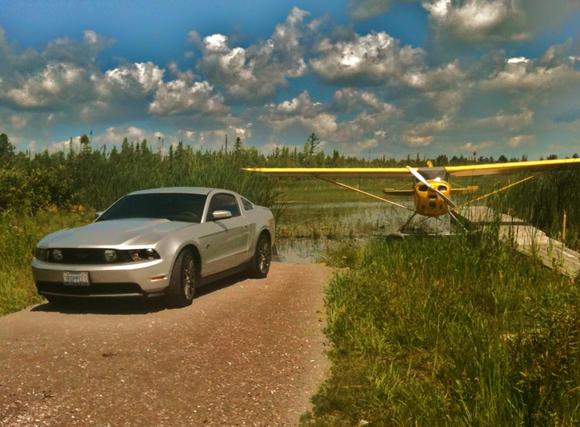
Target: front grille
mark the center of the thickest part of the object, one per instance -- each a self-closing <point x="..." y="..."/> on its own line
<point x="92" y="289"/>
<point x="87" y="256"/>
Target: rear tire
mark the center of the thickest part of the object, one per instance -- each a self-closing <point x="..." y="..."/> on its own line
<point x="260" y="264"/>
<point x="184" y="280"/>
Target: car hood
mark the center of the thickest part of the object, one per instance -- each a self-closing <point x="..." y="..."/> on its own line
<point x="120" y="232"/>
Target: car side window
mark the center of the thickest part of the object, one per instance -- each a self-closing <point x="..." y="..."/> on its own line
<point x="247" y="204"/>
<point x="223" y="202"/>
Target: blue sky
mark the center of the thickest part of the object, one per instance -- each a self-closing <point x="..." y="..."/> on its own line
<point x="370" y="78"/>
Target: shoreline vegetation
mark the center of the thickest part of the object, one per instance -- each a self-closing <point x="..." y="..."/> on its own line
<point x="450" y="331"/>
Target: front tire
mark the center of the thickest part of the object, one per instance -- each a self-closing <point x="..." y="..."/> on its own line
<point x="183" y="281"/>
<point x="260" y="264"/>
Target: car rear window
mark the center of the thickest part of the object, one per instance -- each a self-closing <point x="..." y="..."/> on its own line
<point x="247" y="204"/>
<point x="171" y="206"/>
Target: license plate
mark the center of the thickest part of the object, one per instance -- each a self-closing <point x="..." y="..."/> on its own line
<point x="75" y="278"/>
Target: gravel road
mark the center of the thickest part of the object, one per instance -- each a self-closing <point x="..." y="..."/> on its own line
<point x="247" y="352"/>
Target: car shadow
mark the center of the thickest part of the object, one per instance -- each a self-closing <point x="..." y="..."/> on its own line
<point x="126" y="306"/>
<point x="220" y="284"/>
<point x="120" y="306"/>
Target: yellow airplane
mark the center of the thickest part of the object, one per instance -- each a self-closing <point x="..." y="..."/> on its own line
<point x="431" y="190"/>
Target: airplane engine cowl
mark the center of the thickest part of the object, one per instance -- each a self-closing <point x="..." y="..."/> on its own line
<point x="428" y="202"/>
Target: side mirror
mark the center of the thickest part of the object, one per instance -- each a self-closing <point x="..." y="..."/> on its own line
<point x="98" y="214"/>
<point x="221" y="215"/>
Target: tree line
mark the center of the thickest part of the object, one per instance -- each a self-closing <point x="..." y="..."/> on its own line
<point x="97" y="177"/>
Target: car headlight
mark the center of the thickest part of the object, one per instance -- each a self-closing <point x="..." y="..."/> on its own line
<point x="41" y="254"/>
<point x="110" y="255"/>
<point x="56" y="254"/>
<point x="143" y="254"/>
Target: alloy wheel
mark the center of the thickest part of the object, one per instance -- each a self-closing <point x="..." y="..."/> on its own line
<point x="264" y="255"/>
<point x="189" y="278"/>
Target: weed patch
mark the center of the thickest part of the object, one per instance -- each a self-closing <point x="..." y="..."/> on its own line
<point x="440" y="331"/>
<point x="19" y="235"/>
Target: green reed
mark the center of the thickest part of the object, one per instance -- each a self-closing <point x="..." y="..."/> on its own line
<point x="543" y="200"/>
<point x="449" y="331"/>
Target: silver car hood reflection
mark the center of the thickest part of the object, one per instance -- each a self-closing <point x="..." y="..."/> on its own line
<point x="120" y="232"/>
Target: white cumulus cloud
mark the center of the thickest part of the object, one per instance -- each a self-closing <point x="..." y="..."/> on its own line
<point x="482" y="21"/>
<point x="417" y="140"/>
<point x="364" y="9"/>
<point x="531" y="75"/>
<point x="375" y="58"/>
<point x="478" y="147"/>
<point x="256" y="71"/>
<point x="57" y="84"/>
<point x="179" y="96"/>
<point x="511" y="121"/>
<point x="131" y="80"/>
<point x="350" y="99"/>
<point x="521" y="140"/>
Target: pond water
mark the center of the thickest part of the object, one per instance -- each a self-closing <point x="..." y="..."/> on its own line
<point x="306" y="231"/>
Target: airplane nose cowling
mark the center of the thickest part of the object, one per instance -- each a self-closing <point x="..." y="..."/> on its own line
<point x="428" y="202"/>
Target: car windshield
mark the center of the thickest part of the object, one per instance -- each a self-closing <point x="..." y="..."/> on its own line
<point x="171" y="206"/>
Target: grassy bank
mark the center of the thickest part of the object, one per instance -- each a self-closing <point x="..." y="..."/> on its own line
<point x="18" y="237"/>
<point x="456" y="331"/>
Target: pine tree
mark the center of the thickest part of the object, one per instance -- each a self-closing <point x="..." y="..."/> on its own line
<point x="238" y="144"/>
<point x="6" y="148"/>
<point x="85" y="143"/>
<point x="312" y="144"/>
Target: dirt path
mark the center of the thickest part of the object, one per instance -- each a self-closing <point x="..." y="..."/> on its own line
<point x="245" y="353"/>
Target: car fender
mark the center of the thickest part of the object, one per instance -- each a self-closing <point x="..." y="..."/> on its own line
<point x="176" y="247"/>
<point x="257" y="236"/>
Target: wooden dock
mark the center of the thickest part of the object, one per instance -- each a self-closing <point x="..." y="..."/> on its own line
<point x="527" y="239"/>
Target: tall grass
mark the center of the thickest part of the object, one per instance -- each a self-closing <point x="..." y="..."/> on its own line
<point x="18" y="237"/>
<point x="120" y="174"/>
<point x="449" y="331"/>
<point x="543" y="200"/>
<point x="97" y="179"/>
<point x="311" y="190"/>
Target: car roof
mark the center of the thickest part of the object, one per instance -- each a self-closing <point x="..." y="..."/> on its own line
<point x="183" y="190"/>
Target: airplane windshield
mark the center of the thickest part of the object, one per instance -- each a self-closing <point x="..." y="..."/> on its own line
<point x="171" y="206"/>
<point x="434" y="173"/>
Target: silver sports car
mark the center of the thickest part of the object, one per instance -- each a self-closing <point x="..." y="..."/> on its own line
<point x="164" y="241"/>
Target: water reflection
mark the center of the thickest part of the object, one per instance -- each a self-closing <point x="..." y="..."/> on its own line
<point x="303" y="250"/>
<point x="338" y="220"/>
<point x="306" y="231"/>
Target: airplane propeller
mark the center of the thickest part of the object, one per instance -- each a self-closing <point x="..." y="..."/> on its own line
<point x="420" y="177"/>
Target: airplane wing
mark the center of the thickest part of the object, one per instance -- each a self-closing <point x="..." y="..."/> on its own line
<point x="334" y="172"/>
<point x="503" y="168"/>
<point x="470" y="170"/>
